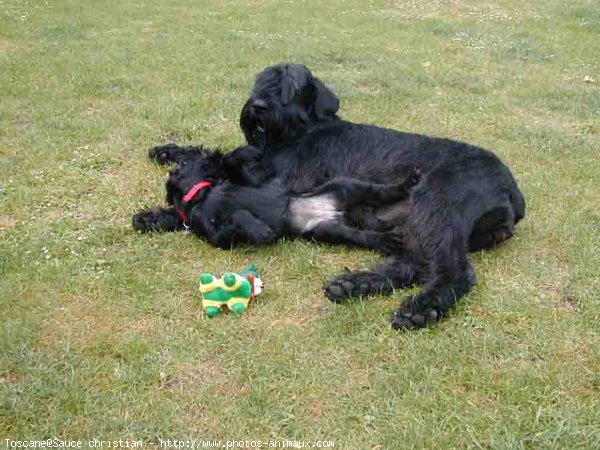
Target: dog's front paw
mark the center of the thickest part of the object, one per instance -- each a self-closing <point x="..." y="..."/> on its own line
<point x="164" y="154"/>
<point x="146" y="221"/>
<point x="408" y="317"/>
<point x="242" y="155"/>
<point x="355" y="285"/>
<point x="156" y="219"/>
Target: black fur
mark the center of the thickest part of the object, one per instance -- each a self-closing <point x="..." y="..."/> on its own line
<point x="467" y="198"/>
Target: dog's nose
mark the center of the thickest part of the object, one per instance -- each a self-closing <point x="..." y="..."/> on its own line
<point x="259" y="105"/>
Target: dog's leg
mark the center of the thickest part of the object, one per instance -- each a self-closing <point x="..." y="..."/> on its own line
<point x="334" y="232"/>
<point x="243" y="165"/>
<point x="244" y="228"/>
<point x="449" y="277"/>
<point x="395" y="272"/>
<point x="352" y="192"/>
<point x="174" y="154"/>
<point x="443" y="265"/>
<point x="433" y="302"/>
<point x="157" y="219"/>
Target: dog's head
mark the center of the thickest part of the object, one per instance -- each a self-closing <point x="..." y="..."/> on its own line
<point x="285" y="101"/>
<point x="183" y="178"/>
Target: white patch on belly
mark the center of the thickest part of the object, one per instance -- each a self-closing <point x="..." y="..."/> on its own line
<point x="305" y="213"/>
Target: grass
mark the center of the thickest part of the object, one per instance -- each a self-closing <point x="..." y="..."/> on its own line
<point x="100" y="328"/>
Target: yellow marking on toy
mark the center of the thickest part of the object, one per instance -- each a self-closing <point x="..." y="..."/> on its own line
<point x="210" y="287"/>
<point x="213" y="303"/>
<point x="235" y="300"/>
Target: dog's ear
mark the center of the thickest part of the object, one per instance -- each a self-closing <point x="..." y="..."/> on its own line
<point x="326" y="104"/>
<point x="297" y="79"/>
<point x="248" y="122"/>
<point x="294" y="78"/>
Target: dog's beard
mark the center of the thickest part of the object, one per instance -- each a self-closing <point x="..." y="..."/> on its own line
<point x="273" y="126"/>
<point x="263" y="130"/>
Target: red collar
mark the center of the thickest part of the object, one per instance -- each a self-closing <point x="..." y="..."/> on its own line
<point x="189" y="196"/>
<point x="195" y="189"/>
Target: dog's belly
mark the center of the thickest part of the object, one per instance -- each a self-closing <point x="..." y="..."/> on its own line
<point x="305" y="213"/>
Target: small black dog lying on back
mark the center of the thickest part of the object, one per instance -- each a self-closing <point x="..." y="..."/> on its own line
<point x="206" y="200"/>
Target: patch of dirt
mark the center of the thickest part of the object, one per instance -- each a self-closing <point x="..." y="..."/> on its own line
<point x="5" y="47"/>
<point x="558" y="295"/>
<point x="579" y="353"/>
<point x="357" y="377"/>
<point x="11" y="378"/>
<point x="22" y="123"/>
<point x="229" y="389"/>
<point x="142" y="326"/>
<point x="53" y="214"/>
<point x="197" y="410"/>
<point x="479" y="312"/>
<point x="369" y="90"/>
<point x="147" y="27"/>
<point x="202" y="373"/>
<point x="315" y="411"/>
<point x="568" y="301"/>
<point x="7" y="221"/>
<point x="170" y="383"/>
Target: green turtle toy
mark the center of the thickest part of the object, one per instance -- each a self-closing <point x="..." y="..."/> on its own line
<point x="232" y="290"/>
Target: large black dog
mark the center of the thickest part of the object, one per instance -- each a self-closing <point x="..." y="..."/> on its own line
<point x="466" y="199"/>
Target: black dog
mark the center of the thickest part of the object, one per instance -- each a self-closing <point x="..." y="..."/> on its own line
<point x="467" y="198"/>
<point x="204" y="199"/>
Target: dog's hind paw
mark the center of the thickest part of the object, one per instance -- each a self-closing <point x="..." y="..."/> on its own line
<point x="355" y="285"/>
<point x="408" y="318"/>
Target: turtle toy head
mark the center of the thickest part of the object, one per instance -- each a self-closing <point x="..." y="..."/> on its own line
<point x="252" y="274"/>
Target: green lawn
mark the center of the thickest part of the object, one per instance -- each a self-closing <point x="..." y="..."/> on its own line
<point x="101" y="333"/>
